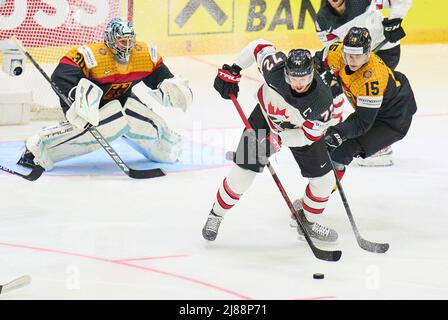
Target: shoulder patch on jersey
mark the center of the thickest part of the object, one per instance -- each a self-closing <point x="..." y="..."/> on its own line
<point x="369" y="101"/>
<point x="88" y="55"/>
<point x="153" y="52"/>
<point x="367" y="74"/>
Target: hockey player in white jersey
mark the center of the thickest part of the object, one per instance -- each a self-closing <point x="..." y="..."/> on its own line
<point x="114" y="67"/>
<point x="294" y="109"/>
<point x="336" y="17"/>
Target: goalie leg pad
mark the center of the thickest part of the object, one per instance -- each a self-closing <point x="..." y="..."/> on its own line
<point x="149" y="134"/>
<point x="64" y="141"/>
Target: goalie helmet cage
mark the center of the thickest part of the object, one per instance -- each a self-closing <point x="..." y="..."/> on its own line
<point x="49" y="30"/>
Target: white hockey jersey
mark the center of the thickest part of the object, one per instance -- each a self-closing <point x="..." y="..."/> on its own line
<point x="360" y="13"/>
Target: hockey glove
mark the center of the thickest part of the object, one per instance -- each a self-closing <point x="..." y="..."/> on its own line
<point x="318" y="62"/>
<point x="226" y="82"/>
<point x="333" y="81"/>
<point x="393" y="30"/>
<point x="333" y="139"/>
<point x="174" y="92"/>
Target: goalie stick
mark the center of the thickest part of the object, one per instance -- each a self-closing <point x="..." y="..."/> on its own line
<point x="363" y="243"/>
<point x="318" y="253"/>
<point x="132" y="173"/>
<point x="35" y="173"/>
<point x="15" y="284"/>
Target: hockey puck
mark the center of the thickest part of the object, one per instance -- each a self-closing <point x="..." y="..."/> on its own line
<point x="318" y="276"/>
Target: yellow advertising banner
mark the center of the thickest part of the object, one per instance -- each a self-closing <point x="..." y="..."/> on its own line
<point x="224" y="26"/>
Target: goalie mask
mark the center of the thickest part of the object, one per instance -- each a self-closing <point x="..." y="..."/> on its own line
<point x="120" y="39"/>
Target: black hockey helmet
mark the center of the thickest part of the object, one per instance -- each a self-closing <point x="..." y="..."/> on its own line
<point x="357" y="41"/>
<point x="299" y="63"/>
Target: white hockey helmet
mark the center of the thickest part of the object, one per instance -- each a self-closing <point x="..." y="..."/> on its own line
<point x="119" y="36"/>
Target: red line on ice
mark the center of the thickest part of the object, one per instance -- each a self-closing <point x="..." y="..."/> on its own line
<point x="134" y="266"/>
<point x="152" y="258"/>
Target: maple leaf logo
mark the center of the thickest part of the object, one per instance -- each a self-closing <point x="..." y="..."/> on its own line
<point x="274" y="111"/>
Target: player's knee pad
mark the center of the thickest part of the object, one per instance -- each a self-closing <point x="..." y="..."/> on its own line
<point x="150" y="135"/>
<point x="63" y="141"/>
<point x="240" y="179"/>
<point x="322" y="186"/>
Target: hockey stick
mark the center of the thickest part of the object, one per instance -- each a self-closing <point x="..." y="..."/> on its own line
<point x="132" y="173"/>
<point x="378" y="47"/>
<point x="363" y="243"/>
<point x="318" y="253"/>
<point x="15" y="284"/>
<point x="35" y="173"/>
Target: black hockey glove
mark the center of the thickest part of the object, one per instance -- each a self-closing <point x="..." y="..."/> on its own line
<point x="333" y="81"/>
<point x="393" y="30"/>
<point x="226" y="82"/>
<point x="319" y="64"/>
<point x="333" y="139"/>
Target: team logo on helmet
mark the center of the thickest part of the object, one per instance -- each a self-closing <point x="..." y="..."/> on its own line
<point x="357" y="41"/>
<point x="299" y="63"/>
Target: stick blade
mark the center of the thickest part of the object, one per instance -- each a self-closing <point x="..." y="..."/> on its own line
<point x="146" y="174"/>
<point x="373" y="246"/>
<point x="15" y="284"/>
<point x="35" y="173"/>
<point x="331" y="256"/>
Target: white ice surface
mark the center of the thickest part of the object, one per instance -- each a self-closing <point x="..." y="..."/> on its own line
<point x="110" y="237"/>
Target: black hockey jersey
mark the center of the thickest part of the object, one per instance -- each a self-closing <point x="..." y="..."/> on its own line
<point x="310" y="113"/>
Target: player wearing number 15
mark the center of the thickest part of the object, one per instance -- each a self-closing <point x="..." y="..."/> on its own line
<point x="383" y="99"/>
<point x="111" y="68"/>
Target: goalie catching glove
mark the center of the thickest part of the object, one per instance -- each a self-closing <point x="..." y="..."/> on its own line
<point x="174" y="92"/>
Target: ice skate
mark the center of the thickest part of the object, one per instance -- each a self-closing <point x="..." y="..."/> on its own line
<point x="211" y="227"/>
<point x="315" y="230"/>
<point x="382" y="158"/>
